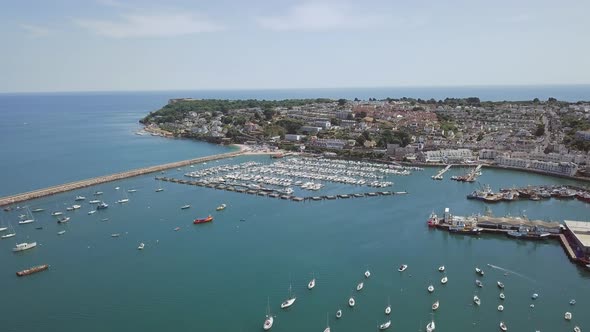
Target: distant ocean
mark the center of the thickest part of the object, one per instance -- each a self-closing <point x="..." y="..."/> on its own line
<point x="51" y="138"/>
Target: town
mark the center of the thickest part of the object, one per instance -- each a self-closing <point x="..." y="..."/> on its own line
<point x="543" y="136"/>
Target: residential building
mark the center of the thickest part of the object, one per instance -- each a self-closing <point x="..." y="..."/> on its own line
<point x="445" y="156"/>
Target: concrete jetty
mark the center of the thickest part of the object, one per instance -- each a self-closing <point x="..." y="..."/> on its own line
<point x="439" y="175"/>
<point x="108" y="178"/>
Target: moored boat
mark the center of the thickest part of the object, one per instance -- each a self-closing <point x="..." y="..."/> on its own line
<point x="311" y="284"/>
<point x="432" y="220"/>
<point x="367" y="274"/>
<point x="61" y="232"/>
<point x="221" y="207"/>
<point x="184" y="207"/>
<point x="479" y="283"/>
<point x="360" y="286"/>
<point x="102" y="206"/>
<point x="503" y="326"/>
<point x="444" y="280"/>
<point x="430" y="289"/>
<point x="435" y="305"/>
<point x="141" y="246"/>
<point x="32" y="270"/>
<point x="79" y="198"/>
<point x="385" y="325"/>
<point x="431" y="326"/>
<point x="63" y="220"/>
<point x="339" y="313"/>
<point x="351" y="302"/>
<point x="500" y="308"/>
<point x="500" y="285"/>
<point x="289" y="301"/>
<point x="476" y="300"/>
<point x="24" y="246"/>
<point x="441" y="268"/>
<point x="204" y="220"/>
<point x="568" y="316"/>
<point x="268" y="320"/>
<point x="402" y="268"/>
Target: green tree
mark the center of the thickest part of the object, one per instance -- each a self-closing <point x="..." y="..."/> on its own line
<point x="341" y="102"/>
<point x="540" y="131"/>
<point x="360" y="140"/>
<point x="479" y="136"/>
<point x="334" y="121"/>
<point x="268" y="113"/>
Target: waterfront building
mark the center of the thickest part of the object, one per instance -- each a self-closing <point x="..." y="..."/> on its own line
<point x="488" y="154"/>
<point x="337" y="144"/>
<point x="581" y="234"/>
<point x="446" y="156"/>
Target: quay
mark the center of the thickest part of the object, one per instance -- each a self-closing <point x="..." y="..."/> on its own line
<point x="273" y="193"/>
<point x="469" y="177"/>
<point x="439" y="175"/>
<point x="8" y="200"/>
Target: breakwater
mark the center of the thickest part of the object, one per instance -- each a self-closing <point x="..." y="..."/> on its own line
<point x="108" y="178"/>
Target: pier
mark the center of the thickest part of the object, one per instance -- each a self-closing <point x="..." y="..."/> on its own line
<point x="469" y="177"/>
<point x="109" y="178"/>
<point x="439" y="175"/>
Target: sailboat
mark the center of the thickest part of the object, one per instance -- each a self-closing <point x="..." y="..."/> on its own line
<point x="3" y="228"/>
<point x="311" y="283"/>
<point x="10" y="233"/>
<point x="360" y="286"/>
<point x="503" y="326"/>
<point x="435" y="305"/>
<point x="269" y="320"/>
<point x="388" y="308"/>
<point x="327" y="329"/>
<point x="385" y="325"/>
<point x="431" y="326"/>
<point x="476" y="300"/>
<point x="159" y="189"/>
<point x="289" y="302"/>
<point x="27" y="221"/>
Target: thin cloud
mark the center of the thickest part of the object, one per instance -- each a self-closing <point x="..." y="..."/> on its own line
<point x="35" y="30"/>
<point x="319" y="17"/>
<point x="150" y="25"/>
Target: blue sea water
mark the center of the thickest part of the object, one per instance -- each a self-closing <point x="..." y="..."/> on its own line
<point x="218" y="276"/>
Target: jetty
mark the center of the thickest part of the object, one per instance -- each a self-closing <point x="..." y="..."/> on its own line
<point x="8" y="200"/>
<point x="469" y="177"/>
<point x="439" y="175"/>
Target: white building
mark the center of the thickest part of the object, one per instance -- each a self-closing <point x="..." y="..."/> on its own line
<point x="293" y="138"/>
<point x="446" y="156"/>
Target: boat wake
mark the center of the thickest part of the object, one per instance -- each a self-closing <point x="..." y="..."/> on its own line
<point x="511" y="272"/>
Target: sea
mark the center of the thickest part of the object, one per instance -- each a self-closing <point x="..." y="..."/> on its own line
<point x="221" y="275"/>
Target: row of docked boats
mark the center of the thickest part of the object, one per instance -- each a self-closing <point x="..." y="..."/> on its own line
<point x="531" y="193"/>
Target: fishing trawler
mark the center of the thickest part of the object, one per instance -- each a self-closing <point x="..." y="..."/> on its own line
<point x="204" y="220"/>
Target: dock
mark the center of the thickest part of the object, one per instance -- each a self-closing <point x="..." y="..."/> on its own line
<point x="7" y="200"/>
<point x="275" y="193"/>
<point x="469" y="177"/>
<point x="439" y="175"/>
<point x="567" y="247"/>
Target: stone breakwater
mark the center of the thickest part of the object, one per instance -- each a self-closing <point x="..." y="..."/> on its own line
<point x="108" y="178"/>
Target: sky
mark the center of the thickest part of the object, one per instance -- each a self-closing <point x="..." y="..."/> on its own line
<point x="112" y="45"/>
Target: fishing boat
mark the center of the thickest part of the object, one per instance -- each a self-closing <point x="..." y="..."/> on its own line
<point x="367" y="274"/>
<point x="388" y="308"/>
<point x="567" y="316"/>
<point x="500" y="285"/>
<point x="24" y="246"/>
<point x="432" y="220"/>
<point x="476" y="300"/>
<point x="141" y="246"/>
<point x="311" y="284"/>
<point x="79" y="198"/>
<point x="444" y="280"/>
<point x="221" y="207"/>
<point x="502" y="296"/>
<point x="61" y="232"/>
<point x="339" y="313"/>
<point x="430" y="289"/>
<point x="500" y="308"/>
<point x="402" y="268"/>
<point x="204" y="220"/>
<point x="385" y="325"/>
<point x="435" y="305"/>
<point x="268" y="320"/>
<point x="32" y="270"/>
<point x="441" y="268"/>
<point x="479" y="283"/>
<point x="351" y="302"/>
<point x="289" y="301"/>
<point x="63" y="220"/>
<point x="184" y="207"/>
<point x="102" y="206"/>
<point x="503" y="326"/>
<point x="360" y="286"/>
<point x="431" y="326"/>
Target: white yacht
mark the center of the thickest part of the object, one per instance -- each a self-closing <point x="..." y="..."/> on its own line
<point x="479" y="271"/>
<point x="402" y="268"/>
<point x="360" y="286"/>
<point x="385" y="325"/>
<point x="431" y="326"/>
<point x="568" y="316"/>
<point x="500" y="308"/>
<point x="435" y="305"/>
<point x="56" y="213"/>
<point x="476" y="300"/>
<point x="26" y="221"/>
<point x="288" y="302"/>
<point x="141" y="246"/>
<point x="430" y="289"/>
<point x="367" y="274"/>
<point x="535" y="296"/>
<point x="79" y="198"/>
<point x="503" y="326"/>
<point x="500" y="285"/>
<point x="2" y="229"/>
<point x="92" y="212"/>
<point x="63" y="220"/>
<point x="124" y="200"/>
<point x="577" y="329"/>
<point x="388" y="308"/>
<point x="444" y="280"/>
<point x="98" y="193"/>
<point x="269" y="320"/>
<point x="351" y="302"/>
<point x="441" y="268"/>
<point x="502" y="296"/>
<point x="94" y="201"/>
<point x="76" y="207"/>
<point x="61" y="232"/>
<point x="339" y="313"/>
<point x="24" y="246"/>
<point x="311" y="284"/>
<point x="10" y="233"/>
<point x="131" y="190"/>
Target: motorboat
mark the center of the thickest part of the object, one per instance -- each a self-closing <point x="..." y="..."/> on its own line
<point x="92" y="212"/>
<point x="61" y="232"/>
<point x="479" y="271"/>
<point x="37" y="210"/>
<point x="532" y="306"/>
<point x="184" y="207"/>
<point x="131" y="190"/>
<point x="476" y="300"/>
<point x="360" y="286"/>
<point x="76" y="207"/>
<point x="430" y="289"/>
<point x="339" y="313"/>
<point x="311" y="284"/>
<point x="141" y="246"/>
<point x="63" y="220"/>
<point x="288" y="302"/>
<point x="123" y="200"/>
<point x="568" y="316"/>
<point x="500" y="285"/>
<point x="94" y="201"/>
<point x="444" y="280"/>
<point x="269" y="320"/>
<point x="402" y="268"/>
<point x="367" y="274"/>
<point x="351" y="302"/>
<point x="56" y="213"/>
<point x="69" y="208"/>
<point x="577" y="329"/>
<point x="572" y="302"/>
<point x="221" y="207"/>
<point x="117" y="188"/>
<point x="503" y="326"/>
<point x="24" y="222"/>
<point x="98" y="193"/>
<point x="385" y="325"/>
<point x="431" y="326"/>
<point x="79" y="198"/>
<point x="441" y="268"/>
<point x="479" y="283"/>
<point x="435" y="305"/>
<point x="500" y="308"/>
<point x="535" y="296"/>
<point x="502" y="296"/>
<point x="24" y="246"/>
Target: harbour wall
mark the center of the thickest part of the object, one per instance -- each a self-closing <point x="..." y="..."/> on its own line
<point x="7" y="200"/>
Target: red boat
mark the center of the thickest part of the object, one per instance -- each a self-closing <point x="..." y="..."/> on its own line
<point x="433" y="220"/>
<point x="32" y="270"/>
<point x="201" y="221"/>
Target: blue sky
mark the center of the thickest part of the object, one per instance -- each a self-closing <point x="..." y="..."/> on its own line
<point x="196" y="44"/>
